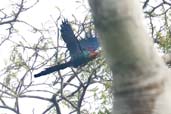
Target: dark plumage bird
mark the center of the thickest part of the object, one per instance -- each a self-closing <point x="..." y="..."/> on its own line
<point x="81" y="51"/>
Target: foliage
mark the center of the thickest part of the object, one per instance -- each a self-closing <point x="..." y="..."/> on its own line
<point x="164" y="41"/>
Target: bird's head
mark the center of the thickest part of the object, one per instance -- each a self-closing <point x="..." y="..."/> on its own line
<point x="93" y="54"/>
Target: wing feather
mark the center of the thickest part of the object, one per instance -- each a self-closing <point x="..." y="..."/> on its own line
<point x="70" y="39"/>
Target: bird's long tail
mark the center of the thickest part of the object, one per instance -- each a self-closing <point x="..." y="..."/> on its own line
<point x="53" y="69"/>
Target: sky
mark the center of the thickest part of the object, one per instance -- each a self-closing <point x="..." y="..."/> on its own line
<point x="44" y="11"/>
<point x="40" y="14"/>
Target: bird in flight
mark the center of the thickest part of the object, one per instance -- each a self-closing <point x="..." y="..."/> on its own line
<point x="81" y="51"/>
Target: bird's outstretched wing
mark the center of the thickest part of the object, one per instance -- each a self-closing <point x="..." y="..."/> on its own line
<point x="70" y="39"/>
<point x="53" y="69"/>
<point x="90" y="43"/>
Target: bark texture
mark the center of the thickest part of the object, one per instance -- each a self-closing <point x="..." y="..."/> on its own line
<point x="141" y="81"/>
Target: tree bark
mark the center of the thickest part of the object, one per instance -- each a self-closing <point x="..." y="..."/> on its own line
<point x="141" y="81"/>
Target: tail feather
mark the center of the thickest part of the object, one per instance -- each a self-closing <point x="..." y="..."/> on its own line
<point x="53" y="69"/>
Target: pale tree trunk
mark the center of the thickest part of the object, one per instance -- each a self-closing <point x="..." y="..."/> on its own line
<point x="141" y="81"/>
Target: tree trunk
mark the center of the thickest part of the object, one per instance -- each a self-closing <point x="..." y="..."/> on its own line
<point x="141" y="82"/>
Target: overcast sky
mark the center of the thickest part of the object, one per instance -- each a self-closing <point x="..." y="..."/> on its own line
<point x="45" y="10"/>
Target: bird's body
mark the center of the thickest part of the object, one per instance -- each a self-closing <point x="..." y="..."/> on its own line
<point x="81" y="51"/>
